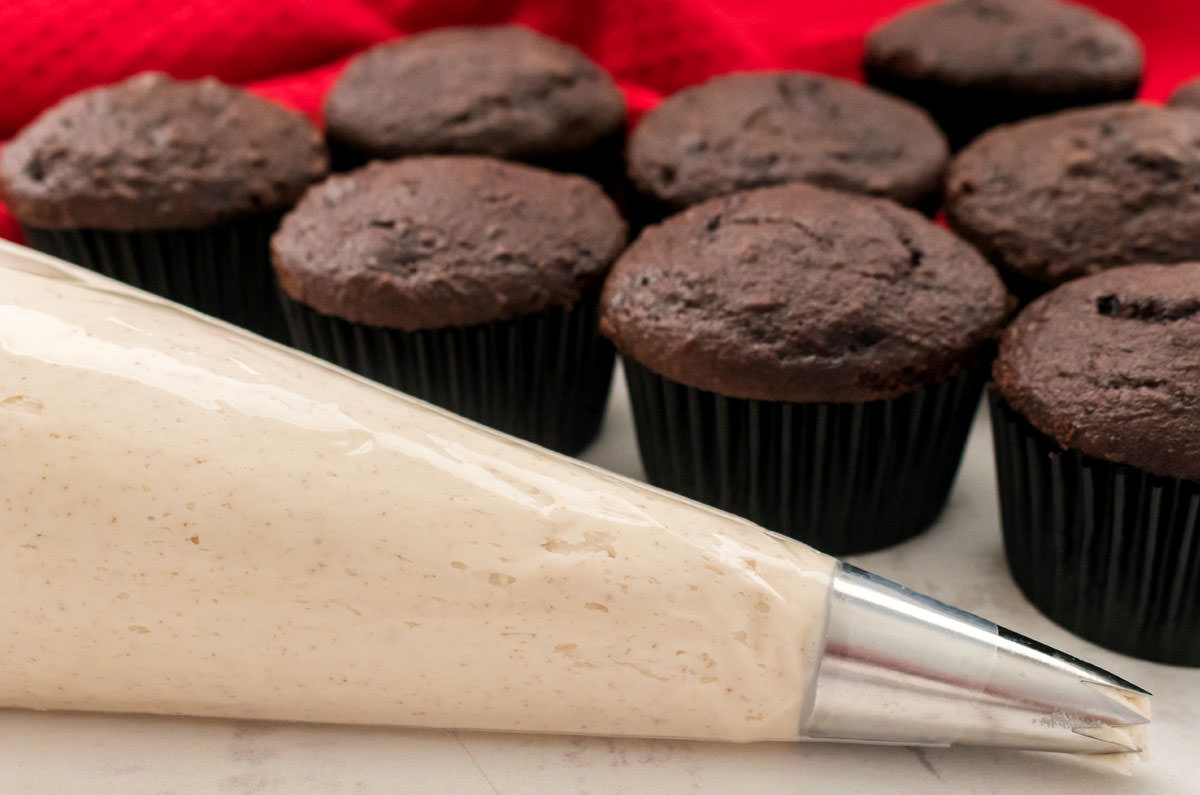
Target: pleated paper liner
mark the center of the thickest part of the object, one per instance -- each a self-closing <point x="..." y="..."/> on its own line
<point x="598" y="161"/>
<point x="602" y="162"/>
<point x="966" y="112"/>
<point x="842" y="477"/>
<point x="1108" y="551"/>
<point x="643" y="210"/>
<point x="222" y="270"/>
<point x="542" y="377"/>
<point x="1025" y="289"/>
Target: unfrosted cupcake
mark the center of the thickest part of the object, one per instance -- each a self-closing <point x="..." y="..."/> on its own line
<point x="975" y="64"/>
<point x="466" y="281"/>
<point x="1096" y="414"/>
<point x="756" y="129"/>
<point x="1187" y="95"/>
<point x="806" y="358"/>
<point x="1062" y="196"/>
<point x="503" y="91"/>
<point x="173" y="186"/>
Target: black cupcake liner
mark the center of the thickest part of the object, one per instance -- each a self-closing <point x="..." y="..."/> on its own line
<point x="967" y="111"/>
<point x="1107" y="551"/>
<point x="344" y="157"/>
<point x="542" y="377"/>
<point x="222" y="270"/>
<point x="602" y="161"/>
<point x="643" y="209"/>
<point x="1023" y="288"/>
<point x="842" y="477"/>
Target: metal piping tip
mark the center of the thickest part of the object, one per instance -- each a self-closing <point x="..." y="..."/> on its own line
<point x="900" y="667"/>
<point x="1107" y="710"/>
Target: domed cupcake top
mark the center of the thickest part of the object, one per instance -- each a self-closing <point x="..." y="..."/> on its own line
<point x="1032" y="46"/>
<point x="794" y="293"/>
<point x="152" y="153"/>
<point x="504" y="91"/>
<point x="1061" y="196"/>
<point x="1187" y="95"/>
<point x="432" y="242"/>
<point x="1110" y="365"/>
<point x="766" y="128"/>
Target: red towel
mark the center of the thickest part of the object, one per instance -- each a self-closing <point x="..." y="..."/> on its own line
<point x="291" y="50"/>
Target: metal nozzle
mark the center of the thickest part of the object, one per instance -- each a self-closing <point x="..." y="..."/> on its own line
<point x="900" y="667"/>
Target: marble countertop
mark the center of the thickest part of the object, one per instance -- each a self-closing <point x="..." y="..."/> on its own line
<point x="960" y="561"/>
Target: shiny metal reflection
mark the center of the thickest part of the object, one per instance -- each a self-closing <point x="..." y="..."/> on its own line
<point x="900" y="667"/>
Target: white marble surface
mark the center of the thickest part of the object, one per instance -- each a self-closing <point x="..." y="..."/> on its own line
<point x="960" y="560"/>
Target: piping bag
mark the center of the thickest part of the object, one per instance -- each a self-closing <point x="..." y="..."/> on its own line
<point x="197" y="521"/>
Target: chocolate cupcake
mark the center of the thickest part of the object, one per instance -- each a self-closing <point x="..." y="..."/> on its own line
<point x="974" y="64"/>
<point x="466" y="281"/>
<point x="1062" y="196"/>
<point x="173" y="186"/>
<point x="809" y="359"/>
<point x="756" y="129"/>
<point x="1096" y="414"/>
<point x="1187" y="95"/>
<point x="502" y="91"/>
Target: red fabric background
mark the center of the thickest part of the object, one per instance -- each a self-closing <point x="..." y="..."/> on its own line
<point x="291" y="50"/>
